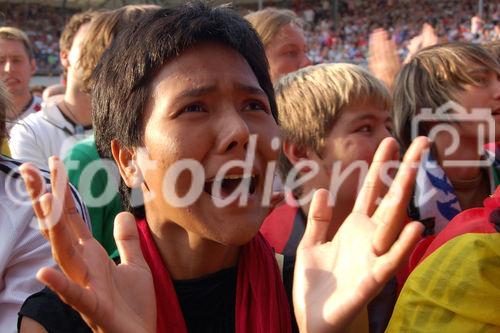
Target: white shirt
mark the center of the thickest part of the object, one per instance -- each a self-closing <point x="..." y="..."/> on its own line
<point x="23" y="249"/>
<point x="44" y="134"/>
<point x="35" y="106"/>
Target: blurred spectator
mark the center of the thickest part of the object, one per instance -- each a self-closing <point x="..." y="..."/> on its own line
<point x="283" y="37"/>
<point x="17" y="65"/>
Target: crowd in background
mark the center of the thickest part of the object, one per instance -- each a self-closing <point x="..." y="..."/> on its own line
<point x="451" y="20"/>
<point x="43" y="25"/>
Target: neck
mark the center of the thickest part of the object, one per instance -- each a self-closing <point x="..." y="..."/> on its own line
<point x="468" y="150"/>
<point x="20" y="103"/>
<point x="76" y="106"/>
<point x="187" y="255"/>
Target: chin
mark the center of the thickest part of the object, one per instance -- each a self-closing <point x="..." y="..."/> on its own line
<point x="240" y="234"/>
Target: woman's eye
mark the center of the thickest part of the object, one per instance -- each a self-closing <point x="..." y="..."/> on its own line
<point x="255" y="106"/>
<point x="194" y="108"/>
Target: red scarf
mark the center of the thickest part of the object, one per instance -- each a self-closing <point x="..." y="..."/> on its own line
<point x="261" y="301"/>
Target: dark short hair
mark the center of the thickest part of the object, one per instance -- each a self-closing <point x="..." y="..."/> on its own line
<point x="121" y="82"/>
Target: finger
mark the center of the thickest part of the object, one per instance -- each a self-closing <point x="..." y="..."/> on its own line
<point x="71" y="213"/>
<point x="399" y="252"/>
<point x="318" y="220"/>
<point x="376" y="38"/>
<point x="58" y="181"/>
<point x="64" y="199"/>
<point x="35" y="185"/>
<point x="80" y="298"/>
<point x="64" y="244"/>
<point x="45" y="204"/>
<point x="391" y="213"/>
<point x="373" y="186"/>
<point x="127" y="239"/>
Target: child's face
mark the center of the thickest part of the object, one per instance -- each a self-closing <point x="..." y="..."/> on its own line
<point x="205" y="104"/>
<point x="354" y="138"/>
<point x="484" y="95"/>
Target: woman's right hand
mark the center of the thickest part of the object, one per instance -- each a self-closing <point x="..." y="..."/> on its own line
<point x="110" y="298"/>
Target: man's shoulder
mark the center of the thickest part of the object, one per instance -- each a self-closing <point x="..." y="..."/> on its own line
<point x="43" y="124"/>
<point x="13" y="192"/>
<point x="41" y="119"/>
<point x="15" y="205"/>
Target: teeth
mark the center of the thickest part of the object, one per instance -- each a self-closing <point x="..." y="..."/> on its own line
<point x="234" y="177"/>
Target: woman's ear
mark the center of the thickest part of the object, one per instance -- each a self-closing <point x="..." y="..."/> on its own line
<point x="126" y="160"/>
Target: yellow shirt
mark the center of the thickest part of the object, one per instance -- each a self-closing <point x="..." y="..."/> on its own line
<point x="5" y="148"/>
<point x="455" y="289"/>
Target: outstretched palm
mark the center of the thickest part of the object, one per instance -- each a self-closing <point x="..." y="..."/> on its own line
<point x="335" y="278"/>
<point x="110" y="298"/>
<point x="383" y="59"/>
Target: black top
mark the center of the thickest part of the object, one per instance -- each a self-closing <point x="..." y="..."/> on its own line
<point x="48" y="310"/>
<point x="208" y="304"/>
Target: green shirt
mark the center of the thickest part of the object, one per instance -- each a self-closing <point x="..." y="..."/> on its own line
<point x="91" y="176"/>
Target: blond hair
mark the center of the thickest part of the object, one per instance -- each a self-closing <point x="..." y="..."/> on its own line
<point x="69" y="32"/>
<point x="431" y="79"/>
<point x="11" y="33"/>
<point x="268" y="22"/>
<point x="494" y="48"/>
<point x="312" y="99"/>
<point x="72" y="27"/>
<point x="103" y="28"/>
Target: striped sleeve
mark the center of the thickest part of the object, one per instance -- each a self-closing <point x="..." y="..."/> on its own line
<point x="11" y="168"/>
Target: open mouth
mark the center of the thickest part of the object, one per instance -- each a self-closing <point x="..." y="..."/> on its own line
<point x="229" y="184"/>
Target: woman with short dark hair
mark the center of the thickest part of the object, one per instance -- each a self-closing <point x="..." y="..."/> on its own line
<point x="184" y="104"/>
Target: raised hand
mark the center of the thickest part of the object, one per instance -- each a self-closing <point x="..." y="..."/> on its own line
<point x="383" y="60"/>
<point x="110" y="298"/>
<point x="426" y="38"/>
<point x="429" y="36"/>
<point x="335" y="278"/>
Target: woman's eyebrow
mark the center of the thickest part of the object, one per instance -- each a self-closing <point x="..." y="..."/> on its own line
<point x="196" y="92"/>
<point x="200" y="91"/>
<point x="250" y="89"/>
